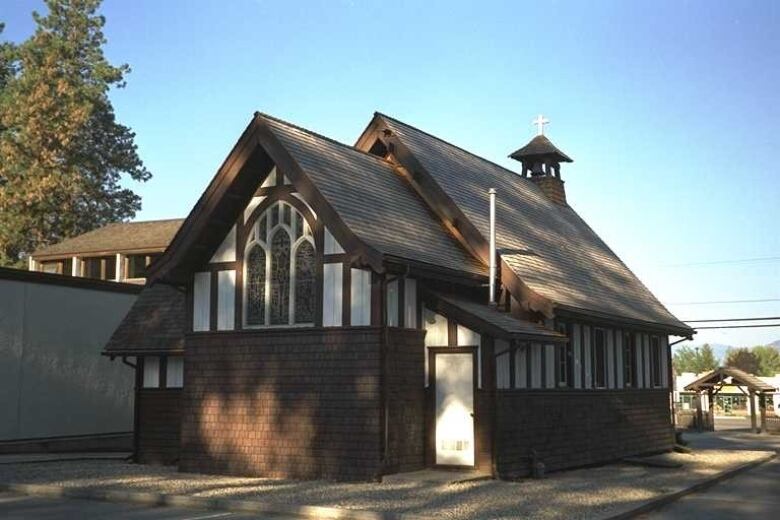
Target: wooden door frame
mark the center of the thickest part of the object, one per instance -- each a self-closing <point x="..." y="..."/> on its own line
<point x="431" y="444"/>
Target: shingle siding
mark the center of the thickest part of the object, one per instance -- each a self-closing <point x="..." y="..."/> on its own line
<point x="570" y="429"/>
<point x="293" y="404"/>
<point x="159" y="426"/>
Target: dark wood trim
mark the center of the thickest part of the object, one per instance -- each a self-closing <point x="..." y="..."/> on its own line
<point x="346" y="295"/>
<point x="163" y="375"/>
<point x="401" y="301"/>
<point x="452" y="333"/>
<point x="611" y="321"/>
<point x="319" y="238"/>
<point x="336" y="259"/>
<point x="139" y="370"/>
<point x="238" y="312"/>
<point x="223" y="266"/>
<point x="274" y="191"/>
<point x="377" y="299"/>
<point x="20" y="275"/>
<point x="513" y="347"/>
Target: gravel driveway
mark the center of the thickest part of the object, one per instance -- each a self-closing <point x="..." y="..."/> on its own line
<point x="585" y="493"/>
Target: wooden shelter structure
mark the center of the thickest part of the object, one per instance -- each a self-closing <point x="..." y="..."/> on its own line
<point x="711" y="384"/>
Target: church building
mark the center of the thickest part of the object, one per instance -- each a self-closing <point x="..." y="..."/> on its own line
<point x="348" y="312"/>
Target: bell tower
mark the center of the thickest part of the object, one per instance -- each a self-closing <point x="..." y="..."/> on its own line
<point x="541" y="162"/>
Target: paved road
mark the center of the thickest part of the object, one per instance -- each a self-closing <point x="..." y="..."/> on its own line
<point x="22" y="507"/>
<point x="751" y="495"/>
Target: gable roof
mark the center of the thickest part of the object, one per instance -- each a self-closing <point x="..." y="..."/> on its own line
<point x="738" y="377"/>
<point x="546" y="245"/>
<point x="373" y="200"/>
<point x="155" y="323"/>
<point x="120" y="236"/>
<point x="357" y="189"/>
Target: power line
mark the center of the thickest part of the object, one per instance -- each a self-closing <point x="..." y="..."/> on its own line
<point x="733" y="319"/>
<point x="712" y="302"/>
<point x="739" y="326"/>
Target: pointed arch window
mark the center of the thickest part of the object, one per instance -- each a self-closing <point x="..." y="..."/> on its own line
<point x="279" y="281"/>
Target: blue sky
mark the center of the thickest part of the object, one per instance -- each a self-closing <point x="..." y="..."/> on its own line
<point x="669" y="109"/>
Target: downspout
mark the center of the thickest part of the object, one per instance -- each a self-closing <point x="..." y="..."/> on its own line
<point x="492" y="249"/>
<point x="136" y="414"/>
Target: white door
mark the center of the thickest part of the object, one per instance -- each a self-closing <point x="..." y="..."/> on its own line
<point x="455" y="409"/>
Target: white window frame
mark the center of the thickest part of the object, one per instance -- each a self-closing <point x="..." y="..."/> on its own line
<point x="151" y="376"/>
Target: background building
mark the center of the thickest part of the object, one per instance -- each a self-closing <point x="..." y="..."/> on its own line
<point x="116" y="252"/>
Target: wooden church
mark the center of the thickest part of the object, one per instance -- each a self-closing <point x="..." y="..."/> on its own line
<point x="347" y="312"/>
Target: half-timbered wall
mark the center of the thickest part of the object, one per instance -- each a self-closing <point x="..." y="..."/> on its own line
<point x="276" y="254"/>
<point x="595" y="358"/>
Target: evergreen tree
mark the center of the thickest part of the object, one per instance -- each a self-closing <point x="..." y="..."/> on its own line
<point x="768" y="360"/>
<point x="62" y="152"/>
<point x="696" y="360"/>
<point x="743" y="359"/>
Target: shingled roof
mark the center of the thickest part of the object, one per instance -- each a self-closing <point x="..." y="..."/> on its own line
<point x="154" y="324"/>
<point x="738" y="377"/>
<point x="121" y="236"/>
<point x="372" y="199"/>
<point x="547" y="245"/>
<point x="484" y="317"/>
<point x="539" y="145"/>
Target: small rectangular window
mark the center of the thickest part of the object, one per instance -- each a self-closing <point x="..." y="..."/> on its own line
<point x="51" y="267"/>
<point x="151" y="372"/>
<point x="174" y="373"/>
<point x="599" y="358"/>
<point x="67" y="268"/>
<point x="563" y="360"/>
<point x="629" y="360"/>
<point x="655" y="354"/>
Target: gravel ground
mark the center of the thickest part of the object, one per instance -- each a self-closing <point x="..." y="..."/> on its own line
<point x="585" y="493"/>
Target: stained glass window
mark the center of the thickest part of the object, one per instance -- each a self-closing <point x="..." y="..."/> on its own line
<point x="298" y="225"/>
<point x="262" y="228"/>
<point x="280" y="278"/>
<point x="304" y="283"/>
<point x="255" y="287"/>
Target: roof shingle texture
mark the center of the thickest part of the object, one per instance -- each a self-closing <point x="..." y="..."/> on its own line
<point x="501" y="320"/>
<point x="547" y="245"/>
<point x="155" y="323"/>
<point x="121" y="236"/>
<point x="373" y="200"/>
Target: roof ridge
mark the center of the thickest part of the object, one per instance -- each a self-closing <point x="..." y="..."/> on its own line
<point x="321" y="136"/>
<point x="377" y="113"/>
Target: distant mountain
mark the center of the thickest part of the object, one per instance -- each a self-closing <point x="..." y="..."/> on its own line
<point x="776" y="344"/>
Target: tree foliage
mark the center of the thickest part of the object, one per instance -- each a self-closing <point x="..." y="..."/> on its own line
<point x="743" y="359"/>
<point x="63" y="155"/>
<point x="768" y="360"/>
<point x="694" y="359"/>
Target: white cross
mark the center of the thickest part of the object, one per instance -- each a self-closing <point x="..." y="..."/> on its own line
<point x="540" y="121"/>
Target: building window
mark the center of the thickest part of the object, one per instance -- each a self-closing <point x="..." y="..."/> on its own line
<point x="52" y="267"/>
<point x="304" y="282"/>
<point x="279" y="281"/>
<point x="655" y="357"/>
<point x="174" y="372"/>
<point x="629" y="360"/>
<point x="138" y="265"/>
<point x="151" y="372"/>
<point x="255" y="286"/>
<point x="563" y="360"/>
<point x="99" y="267"/>
<point x="599" y="358"/>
